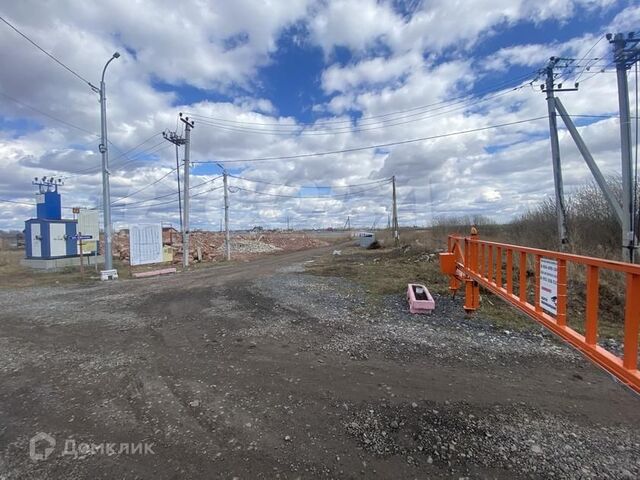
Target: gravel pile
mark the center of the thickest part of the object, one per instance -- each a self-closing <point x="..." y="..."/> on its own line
<point x="518" y="439"/>
<point x="362" y="325"/>
<point x="250" y="246"/>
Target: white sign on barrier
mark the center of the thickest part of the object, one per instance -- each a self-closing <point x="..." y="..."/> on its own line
<point x="549" y="285"/>
<point x="145" y="244"/>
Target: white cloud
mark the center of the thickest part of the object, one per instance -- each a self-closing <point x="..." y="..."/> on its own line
<point x="397" y="65"/>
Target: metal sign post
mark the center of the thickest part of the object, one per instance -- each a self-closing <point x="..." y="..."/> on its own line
<point x="81" y="255"/>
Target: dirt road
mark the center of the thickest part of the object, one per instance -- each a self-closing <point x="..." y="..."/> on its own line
<point x="259" y="370"/>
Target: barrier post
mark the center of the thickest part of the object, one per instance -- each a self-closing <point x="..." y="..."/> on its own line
<point x="499" y="267"/>
<point x="536" y="302"/>
<point x="490" y="266"/>
<point x="509" y="271"/>
<point x="591" y="324"/>
<point x="472" y="289"/>
<point x="522" y="273"/>
<point x="561" y="317"/>
<point x="631" y="321"/>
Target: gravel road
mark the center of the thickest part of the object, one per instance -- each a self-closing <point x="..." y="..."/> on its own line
<point x="260" y="370"/>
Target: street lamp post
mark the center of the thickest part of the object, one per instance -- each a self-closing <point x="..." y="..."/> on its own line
<point x="104" y="150"/>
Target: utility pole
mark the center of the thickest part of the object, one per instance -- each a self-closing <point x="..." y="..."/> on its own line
<point x="227" y="242"/>
<point x="396" y="234"/>
<point x="625" y="54"/>
<point x="106" y="190"/>
<point x="185" y="224"/>
<point x="177" y="140"/>
<point x="561" y="212"/>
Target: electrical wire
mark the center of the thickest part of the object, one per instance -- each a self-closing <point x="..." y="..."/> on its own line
<point x="73" y="72"/>
<point x="145" y="187"/>
<point x="325" y="197"/>
<point x="173" y="200"/>
<point x="124" y="154"/>
<point x="356" y="129"/>
<point x="93" y="170"/>
<point x="28" y="204"/>
<point x="465" y="97"/>
<point x="379" y="145"/>
<point x="174" y="192"/>
<point x="309" y="186"/>
<point x="136" y="158"/>
<point x="68" y="124"/>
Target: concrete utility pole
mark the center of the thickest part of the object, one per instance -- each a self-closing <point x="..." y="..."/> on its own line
<point x="613" y="202"/>
<point x="185" y="223"/>
<point x="177" y="140"/>
<point x="626" y="53"/>
<point x="396" y="234"/>
<point x="561" y="212"/>
<point x="227" y="242"/>
<point x="104" y="150"/>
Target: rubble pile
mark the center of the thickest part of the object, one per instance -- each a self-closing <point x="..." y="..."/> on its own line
<point x="209" y="246"/>
<point x="249" y="246"/>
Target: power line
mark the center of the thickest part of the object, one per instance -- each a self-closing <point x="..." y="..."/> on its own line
<point x="69" y="124"/>
<point x="588" y="52"/>
<point x="73" y="72"/>
<point x="145" y="187"/>
<point x="174" y="192"/>
<point x="124" y="154"/>
<point x="16" y="202"/>
<point x="27" y="204"/>
<point x="365" y="128"/>
<point x="465" y="97"/>
<point x="308" y="197"/>
<point x="310" y="186"/>
<point x="171" y="201"/>
<point x="136" y="158"/>
<point x="380" y="145"/>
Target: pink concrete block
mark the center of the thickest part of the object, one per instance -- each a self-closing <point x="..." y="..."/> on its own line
<point x="154" y="273"/>
<point x="420" y="300"/>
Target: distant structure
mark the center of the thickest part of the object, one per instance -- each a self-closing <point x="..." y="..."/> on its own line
<point x="51" y="242"/>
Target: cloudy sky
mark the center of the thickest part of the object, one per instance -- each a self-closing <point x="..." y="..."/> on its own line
<point x="270" y="79"/>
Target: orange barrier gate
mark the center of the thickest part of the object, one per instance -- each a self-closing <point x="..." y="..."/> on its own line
<point x="474" y="263"/>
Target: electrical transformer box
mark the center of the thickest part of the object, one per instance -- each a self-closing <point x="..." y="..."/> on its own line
<point x="50" y="238"/>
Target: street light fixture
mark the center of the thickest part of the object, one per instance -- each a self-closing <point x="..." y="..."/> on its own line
<point x="106" y="193"/>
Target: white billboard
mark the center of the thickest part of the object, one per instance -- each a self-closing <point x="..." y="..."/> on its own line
<point x="549" y="285"/>
<point x="145" y="244"/>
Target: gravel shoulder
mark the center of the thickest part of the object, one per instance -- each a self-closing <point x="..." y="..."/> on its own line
<point x="263" y="370"/>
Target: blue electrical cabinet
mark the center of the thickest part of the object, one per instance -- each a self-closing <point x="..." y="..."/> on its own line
<point x="50" y="238"/>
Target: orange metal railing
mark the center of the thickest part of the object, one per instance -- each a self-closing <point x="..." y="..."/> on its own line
<point x="474" y="263"/>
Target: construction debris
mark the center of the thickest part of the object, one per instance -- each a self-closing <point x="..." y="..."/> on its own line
<point x="209" y="246"/>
